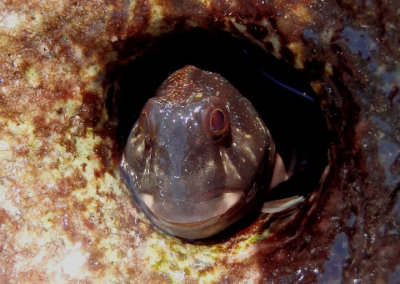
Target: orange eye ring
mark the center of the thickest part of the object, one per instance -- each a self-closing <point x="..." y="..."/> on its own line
<point x="219" y="122"/>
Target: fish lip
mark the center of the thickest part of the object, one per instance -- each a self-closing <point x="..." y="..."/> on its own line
<point x="203" y="228"/>
<point x="188" y="225"/>
<point x="190" y="214"/>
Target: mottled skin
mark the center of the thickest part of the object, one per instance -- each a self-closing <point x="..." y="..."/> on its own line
<point x="66" y="215"/>
<point x="193" y="180"/>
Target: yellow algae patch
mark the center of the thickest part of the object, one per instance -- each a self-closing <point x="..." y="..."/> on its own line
<point x="87" y="74"/>
<point x="46" y="220"/>
<point x="36" y="19"/>
<point x="297" y="49"/>
<point x="155" y="22"/>
<point x="246" y="241"/>
<point x="178" y="261"/>
<point x="33" y="76"/>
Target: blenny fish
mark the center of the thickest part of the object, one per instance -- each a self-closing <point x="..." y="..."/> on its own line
<point x="200" y="157"/>
<point x="67" y="216"/>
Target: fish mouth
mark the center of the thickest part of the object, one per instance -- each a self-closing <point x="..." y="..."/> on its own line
<point x="195" y="218"/>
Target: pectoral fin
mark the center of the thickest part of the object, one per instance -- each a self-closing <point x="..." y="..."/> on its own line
<point x="279" y="205"/>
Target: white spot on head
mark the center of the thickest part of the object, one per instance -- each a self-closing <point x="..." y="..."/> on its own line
<point x="198" y="96"/>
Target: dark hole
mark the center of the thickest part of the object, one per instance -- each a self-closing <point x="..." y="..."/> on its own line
<point x="279" y="92"/>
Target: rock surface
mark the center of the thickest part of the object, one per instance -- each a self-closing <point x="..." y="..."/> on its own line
<point x="65" y="214"/>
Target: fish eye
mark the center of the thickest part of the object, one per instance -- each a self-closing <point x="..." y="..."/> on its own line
<point x="144" y="125"/>
<point x="219" y="123"/>
<point x="217" y="120"/>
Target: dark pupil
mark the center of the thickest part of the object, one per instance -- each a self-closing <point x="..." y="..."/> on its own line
<point x="217" y="120"/>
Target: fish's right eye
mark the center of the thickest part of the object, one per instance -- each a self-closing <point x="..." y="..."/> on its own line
<point x="144" y="124"/>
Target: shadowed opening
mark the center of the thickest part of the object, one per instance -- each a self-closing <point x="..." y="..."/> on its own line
<point x="280" y="94"/>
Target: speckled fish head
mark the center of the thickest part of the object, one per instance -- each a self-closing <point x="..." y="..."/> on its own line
<point x="198" y="155"/>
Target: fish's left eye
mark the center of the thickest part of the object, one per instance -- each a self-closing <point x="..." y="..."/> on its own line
<point x="217" y="120"/>
<point x="144" y="124"/>
<point x="218" y="123"/>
